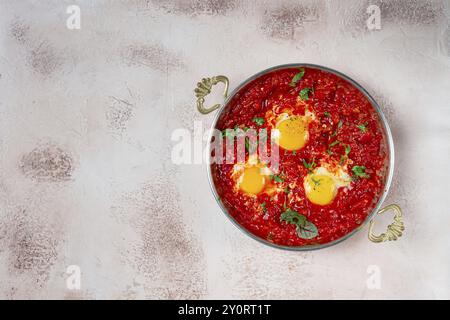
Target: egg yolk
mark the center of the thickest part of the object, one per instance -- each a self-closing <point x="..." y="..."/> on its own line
<point x="252" y="180"/>
<point x="292" y="133"/>
<point x="320" y="189"/>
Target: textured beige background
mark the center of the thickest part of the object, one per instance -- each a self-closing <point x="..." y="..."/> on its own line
<point x="85" y="123"/>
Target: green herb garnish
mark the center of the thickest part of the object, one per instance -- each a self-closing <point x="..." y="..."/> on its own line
<point x="340" y="123"/>
<point x="276" y="178"/>
<point x="316" y="182"/>
<point x="362" y="127"/>
<point x="297" y="77"/>
<point x="292" y="217"/>
<point x="263" y="206"/>
<point x="334" y="143"/>
<point x="305" y="229"/>
<point x="304" y="93"/>
<point x="258" y="120"/>
<point x="229" y="133"/>
<point x="360" y="172"/>
<point x="345" y="156"/>
<point x="250" y="147"/>
<point x="327" y="114"/>
<point x="347" y="149"/>
<point x="309" y="166"/>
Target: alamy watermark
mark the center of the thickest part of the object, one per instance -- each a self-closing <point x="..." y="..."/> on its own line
<point x="73" y="280"/>
<point x="373" y="22"/>
<point x="73" y="22"/>
<point x="227" y="146"/>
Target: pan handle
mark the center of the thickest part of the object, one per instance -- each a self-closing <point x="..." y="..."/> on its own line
<point x="394" y="230"/>
<point x="204" y="88"/>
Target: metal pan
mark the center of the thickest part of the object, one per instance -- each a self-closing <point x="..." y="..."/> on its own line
<point x="394" y="230"/>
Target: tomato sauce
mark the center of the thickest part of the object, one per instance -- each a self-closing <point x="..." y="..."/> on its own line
<point x="342" y="113"/>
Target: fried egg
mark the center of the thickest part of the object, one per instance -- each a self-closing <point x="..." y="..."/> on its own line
<point x="253" y="177"/>
<point x="322" y="184"/>
<point x="292" y="130"/>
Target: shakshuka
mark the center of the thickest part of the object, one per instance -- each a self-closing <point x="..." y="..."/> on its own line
<point x="332" y="157"/>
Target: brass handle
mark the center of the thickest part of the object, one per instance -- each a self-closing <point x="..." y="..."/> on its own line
<point x="394" y="230"/>
<point x="204" y="88"/>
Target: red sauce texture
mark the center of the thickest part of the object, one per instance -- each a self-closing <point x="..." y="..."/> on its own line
<point x="339" y="109"/>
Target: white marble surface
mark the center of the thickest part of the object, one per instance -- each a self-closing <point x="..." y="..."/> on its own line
<point x="85" y="123"/>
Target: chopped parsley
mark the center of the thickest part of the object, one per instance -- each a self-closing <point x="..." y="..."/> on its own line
<point x="292" y="217"/>
<point x="360" y="172"/>
<point x="238" y="132"/>
<point x="334" y="143"/>
<point x="297" y="77"/>
<point x="327" y="114"/>
<point x="276" y="178"/>
<point x="316" y="182"/>
<point x="345" y="156"/>
<point x="263" y="206"/>
<point x="362" y="127"/>
<point x="347" y="149"/>
<point x="304" y="93"/>
<point x="309" y="166"/>
<point x="250" y="147"/>
<point x="339" y="126"/>
<point x="258" y="120"/>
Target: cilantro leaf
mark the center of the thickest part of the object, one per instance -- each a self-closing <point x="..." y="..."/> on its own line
<point x="362" y="127"/>
<point x="347" y="149"/>
<point x="258" y="120"/>
<point x="360" y="172"/>
<point x="297" y="77"/>
<point x="316" y="182"/>
<point x="345" y="156"/>
<point x="339" y="126"/>
<point x="304" y="93"/>
<point x="263" y="206"/>
<point x="277" y="178"/>
<point x="309" y="166"/>
<point x="334" y="143"/>
<point x="250" y="146"/>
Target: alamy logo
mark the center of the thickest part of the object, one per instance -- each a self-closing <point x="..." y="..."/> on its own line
<point x="73" y="281"/>
<point x="73" y="22"/>
<point x="374" y="20"/>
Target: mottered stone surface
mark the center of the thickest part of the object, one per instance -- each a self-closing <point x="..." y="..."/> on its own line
<point x="86" y="118"/>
